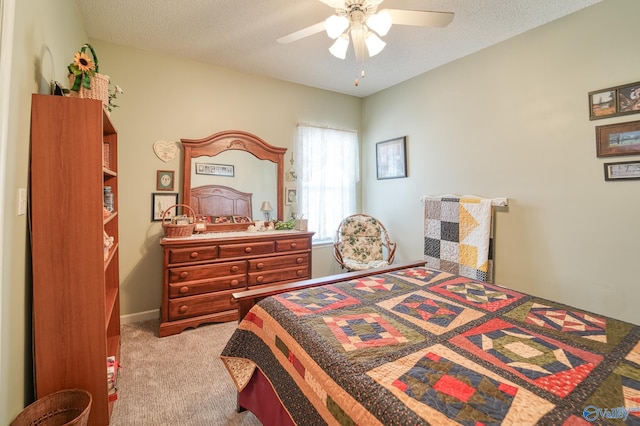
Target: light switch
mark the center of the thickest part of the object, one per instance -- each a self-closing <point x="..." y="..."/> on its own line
<point x="22" y="201"/>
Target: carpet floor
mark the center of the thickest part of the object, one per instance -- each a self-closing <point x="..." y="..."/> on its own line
<point x="176" y="380"/>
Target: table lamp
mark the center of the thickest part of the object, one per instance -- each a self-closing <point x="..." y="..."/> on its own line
<point x="266" y="208"/>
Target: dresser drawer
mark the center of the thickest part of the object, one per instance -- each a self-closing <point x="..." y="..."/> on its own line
<point x="191" y="288"/>
<point x="293" y="244"/>
<point x="266" y="277"/>
<point x="278" y="262"/>
<point x="193" y="254"/>
<point x="216" y="270"/>
<point x="246" y="249"/>
<point x="193" y="306"/>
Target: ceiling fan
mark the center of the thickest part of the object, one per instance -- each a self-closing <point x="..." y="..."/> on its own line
<point x="359" y="19"/>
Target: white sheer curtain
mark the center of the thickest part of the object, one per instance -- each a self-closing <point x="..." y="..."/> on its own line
<point x="328" y="169"/>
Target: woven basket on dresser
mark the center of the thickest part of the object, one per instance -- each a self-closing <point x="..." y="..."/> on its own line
<point x="65" y="407"/>
<point x="173" y="230"/>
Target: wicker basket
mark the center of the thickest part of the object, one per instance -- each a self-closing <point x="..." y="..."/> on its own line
<point x="173" y="230"/>
<point x="65" y="407"/>
<point x="99" y="85"/>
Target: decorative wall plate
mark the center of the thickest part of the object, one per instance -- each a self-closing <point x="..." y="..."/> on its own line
<point x="166" y="151"/>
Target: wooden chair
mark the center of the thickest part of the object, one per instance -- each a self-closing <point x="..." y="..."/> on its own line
<point x="362" y="242"/>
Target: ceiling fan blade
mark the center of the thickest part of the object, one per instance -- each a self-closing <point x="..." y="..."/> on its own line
<point x="420" y="18"/>
<point x="300" y="34"/>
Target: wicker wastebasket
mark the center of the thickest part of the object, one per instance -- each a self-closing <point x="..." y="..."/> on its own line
<point x="65" y="407"/>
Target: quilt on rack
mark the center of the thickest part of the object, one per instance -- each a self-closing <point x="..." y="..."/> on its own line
<point x="422" y="346"/>
<point x="457" y="236"/>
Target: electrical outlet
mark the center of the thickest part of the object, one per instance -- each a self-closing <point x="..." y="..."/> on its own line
<point x="22" y="201"/>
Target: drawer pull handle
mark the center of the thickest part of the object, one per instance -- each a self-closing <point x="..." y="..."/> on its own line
<point x="260" y="265"/>
<point x="184" y="289"/>
<point x="234" y="268"/>
<point x="300" y="272"/>
<point x="299" y="260"/>
<point x="183" y="309"/>
<point x="194" y="254"/>
<point x="293" y="245"/>
<point x="184" y="274"/>
<point x="234" y="283"/>
<point x="247" y="250"/>
<point x="260" y="279"/>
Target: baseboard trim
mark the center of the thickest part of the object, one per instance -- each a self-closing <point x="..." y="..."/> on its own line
<point x="140" y="316"/>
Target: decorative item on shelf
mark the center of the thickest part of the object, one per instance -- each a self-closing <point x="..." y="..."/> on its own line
<point x="108" y="242"/>
<point x="113" y="95"/>
<point x="108" y="198"/>
<point x="266" y="209"/>
<point x="85" y="79"/>
<point x="106" y="155"/>
<point x="180" y="226"/>
<point x="113" y="367"/>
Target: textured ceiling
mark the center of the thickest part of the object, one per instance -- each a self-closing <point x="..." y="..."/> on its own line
<point x="241" y="35"/>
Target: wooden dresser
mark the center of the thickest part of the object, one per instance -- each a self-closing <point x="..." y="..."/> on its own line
<point x="202" y="271"/>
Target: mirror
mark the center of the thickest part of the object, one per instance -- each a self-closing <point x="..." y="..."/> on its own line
<point x="234" y="170"/>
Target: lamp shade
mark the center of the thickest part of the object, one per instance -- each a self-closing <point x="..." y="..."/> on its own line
<point x="266" y="206"/>
<point x="335" y="25"/>
<point x="374" y="44"/>
<point x="380" y="22"/>
<point x="339" y="47"/>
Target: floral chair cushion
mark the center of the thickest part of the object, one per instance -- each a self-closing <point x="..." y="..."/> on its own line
<point x="361" y="239"/>
<point x="360" y="242"/>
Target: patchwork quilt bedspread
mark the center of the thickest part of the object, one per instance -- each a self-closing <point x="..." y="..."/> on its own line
<point x="421" y="346"/>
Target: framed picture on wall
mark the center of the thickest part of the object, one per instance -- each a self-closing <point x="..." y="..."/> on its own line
<point x="164" y="180"/>
<point x="626" y="170"/>
<point x="614" y="101"/>
<point x="618" y="139"/>
<point x="161" y="201"/>
<point x="215" y="169"/>
<point x="291" y="196"/>
<point x="391" y="158"/>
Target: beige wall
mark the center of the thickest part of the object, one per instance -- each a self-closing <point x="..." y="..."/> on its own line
<point x="168" y="98"/>
<point x="46" y="34"/>
<point x="512" y="121"/>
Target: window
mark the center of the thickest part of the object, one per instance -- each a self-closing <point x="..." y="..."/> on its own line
<point x="328" y="169"/>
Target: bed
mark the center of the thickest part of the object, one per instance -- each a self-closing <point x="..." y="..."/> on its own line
<point x="412" y="345"/>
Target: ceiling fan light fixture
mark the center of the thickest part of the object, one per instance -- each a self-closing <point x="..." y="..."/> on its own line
<point x="336" y="25"/>
<point x="374" y="44"/>
<point x="380" y="22"/>
<point x="339" y="47"/>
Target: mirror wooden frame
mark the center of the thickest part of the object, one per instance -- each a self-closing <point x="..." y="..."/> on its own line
<point x="232" y="140"/>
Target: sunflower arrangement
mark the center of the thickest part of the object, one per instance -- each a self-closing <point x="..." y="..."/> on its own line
<point x="83" y="68"/>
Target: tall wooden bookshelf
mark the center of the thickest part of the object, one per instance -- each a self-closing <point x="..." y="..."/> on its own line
<point x="76" y="302"/>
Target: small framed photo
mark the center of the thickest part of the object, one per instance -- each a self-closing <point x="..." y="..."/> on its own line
<point x="161" y="201"/>
<point x="391" y="158"/>
<point x="618" y="139"/>
<point x="602" y="104"/>
<point x="627" y="170"/>
<point x="629" y="98"/>
<point x="215" y="169"/>
<point x="164" y="180"/>
<point x="291" y="196"/>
